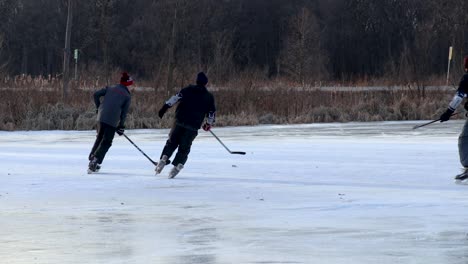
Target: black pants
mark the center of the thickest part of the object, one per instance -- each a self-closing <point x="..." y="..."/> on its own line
<point x="105" y="135"/>
<point x="180" y="138"/>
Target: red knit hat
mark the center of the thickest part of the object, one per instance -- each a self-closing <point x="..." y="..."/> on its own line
<point x="125" y="79"/>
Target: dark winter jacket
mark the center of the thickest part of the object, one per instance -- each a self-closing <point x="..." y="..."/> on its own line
<point x="463" y="85"/>
<point x="195" y="103"/>
<point x="114" y="107"/>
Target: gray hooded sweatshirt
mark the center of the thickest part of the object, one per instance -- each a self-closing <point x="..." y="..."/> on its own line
<point x="114" y="107"/>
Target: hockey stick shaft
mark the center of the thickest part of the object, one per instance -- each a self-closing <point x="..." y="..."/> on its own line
<point x="425" y="124"/>
<point x="219" y="140"/>
<point x="433" y="121"/>
<point x="154" y="163"/>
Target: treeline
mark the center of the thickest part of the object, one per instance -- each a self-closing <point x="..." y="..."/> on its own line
<point x="302" y="41"/>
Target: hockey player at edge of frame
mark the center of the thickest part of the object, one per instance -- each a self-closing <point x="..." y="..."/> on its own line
<point x="195" y="103"/>
<point x="461" y="93"/>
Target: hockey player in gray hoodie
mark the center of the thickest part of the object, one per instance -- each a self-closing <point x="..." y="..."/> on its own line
<point x="111" y="115"/>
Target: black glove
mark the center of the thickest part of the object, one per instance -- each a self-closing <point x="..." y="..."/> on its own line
<point x="446" y="115"/>
<point x="163" y="110"/>
<point x="120" y="130"/>
<point x="97" y="110"/>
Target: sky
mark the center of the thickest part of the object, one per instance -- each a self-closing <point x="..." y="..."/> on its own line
<point x="376" y="192"/>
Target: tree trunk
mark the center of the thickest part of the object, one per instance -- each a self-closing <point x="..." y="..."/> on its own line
<point x="66" y="51"/>
<point x="170" y="62"/>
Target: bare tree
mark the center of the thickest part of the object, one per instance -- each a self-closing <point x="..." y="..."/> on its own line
<point x="107" y="22"/>
<point x="303" y="57"/>
<point x="4" y="63"/>
<point x="167" y="40"/>
<point x="67" y="51"/>
<point x="223" y="53"/>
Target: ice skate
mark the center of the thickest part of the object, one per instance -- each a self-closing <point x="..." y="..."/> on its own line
<point x="93" y="166"/>
<point x="161" y="164"/>
<point x="90" y="158"/>
<point x="175" y="170"/>
<point x="462" y="177"/>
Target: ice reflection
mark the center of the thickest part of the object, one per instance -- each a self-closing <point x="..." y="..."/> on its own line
<point x="197" y="259"/>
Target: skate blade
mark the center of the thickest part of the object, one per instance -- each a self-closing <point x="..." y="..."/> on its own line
<point x="172" y="176"/>
<point x="158" y="170"/>
<point x="462" y="182"/>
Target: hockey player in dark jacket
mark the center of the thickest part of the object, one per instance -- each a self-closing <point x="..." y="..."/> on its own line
<point x="111" y="115"/>
<point x="195" y="104"/>
<point x="461" y="93"/>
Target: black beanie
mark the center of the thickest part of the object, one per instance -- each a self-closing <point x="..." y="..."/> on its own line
<point x="202" y="79"/>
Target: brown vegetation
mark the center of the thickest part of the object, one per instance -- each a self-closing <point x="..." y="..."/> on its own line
<point x="247" y="101"/>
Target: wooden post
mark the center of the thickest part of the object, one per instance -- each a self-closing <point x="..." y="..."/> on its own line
<point x="67" y="51"/>
<point x="448" y="65"/>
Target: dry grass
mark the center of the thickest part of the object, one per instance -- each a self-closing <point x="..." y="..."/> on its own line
<point x="244" y="101"/>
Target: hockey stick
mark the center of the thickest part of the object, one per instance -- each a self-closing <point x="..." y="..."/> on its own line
<point x="433" y="121"/>
<point x="232" y="152"/>
<point x="154" y="163"/>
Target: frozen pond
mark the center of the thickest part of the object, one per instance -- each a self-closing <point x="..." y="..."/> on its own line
<point x="322" y="193"/>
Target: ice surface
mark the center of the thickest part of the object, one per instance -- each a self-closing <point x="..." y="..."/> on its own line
<point x="321" y="193"/>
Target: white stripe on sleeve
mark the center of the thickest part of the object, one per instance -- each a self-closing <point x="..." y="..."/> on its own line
<point x="174" y="99"/>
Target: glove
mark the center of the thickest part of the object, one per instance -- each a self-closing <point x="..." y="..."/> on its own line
<point x="120" y="130"/>
<point x="163" y="110"/>
<point x="446" y="116"/>
<point x="97" y="110"/>
<point x="206" y="127"/>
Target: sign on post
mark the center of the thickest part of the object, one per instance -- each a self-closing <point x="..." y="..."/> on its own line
<point x="75" y="56"/>
<point x="448" y="65"/>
